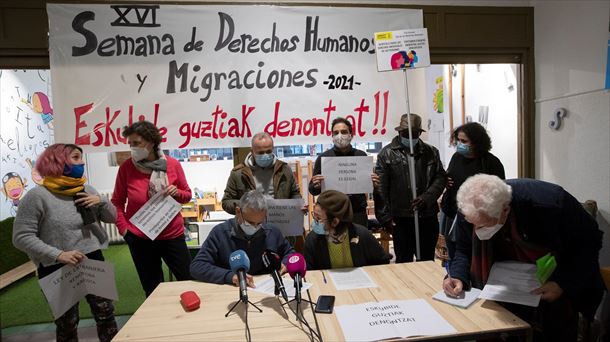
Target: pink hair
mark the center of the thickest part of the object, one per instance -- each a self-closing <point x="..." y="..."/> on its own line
<point x="51" y="162"/>
<point x="44" y="102"/>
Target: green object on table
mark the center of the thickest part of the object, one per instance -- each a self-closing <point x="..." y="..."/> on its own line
<point x="545" y="266"/>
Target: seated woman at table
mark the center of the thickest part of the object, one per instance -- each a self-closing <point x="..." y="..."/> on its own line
<point x="335" y="241"/>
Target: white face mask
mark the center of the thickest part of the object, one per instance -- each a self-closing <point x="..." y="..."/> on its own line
<point x="139" y="153"/>
<point x="249" y="229"/>
<point x="485" y="233"/>
<point x="342" y="140"/>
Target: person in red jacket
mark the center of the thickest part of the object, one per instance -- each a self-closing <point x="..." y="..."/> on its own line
<point x="146" y="173"/>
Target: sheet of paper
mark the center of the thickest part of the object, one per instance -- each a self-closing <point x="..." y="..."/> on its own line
<point x="512" y="282"/>
<point x="464" y="300"/>
<point x="286" y="215"/>
<point x="156" y="214"/>
<point x="391" y="319"/>
<point x="69" y="284"/>
<point x="351" y="278"/>
<point x="267" y="286"/>
<point x="350" y="175"/>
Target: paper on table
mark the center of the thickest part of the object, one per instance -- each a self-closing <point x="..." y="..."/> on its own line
<point x="155" y="214"/>
<point x="464" y="301"/>
<point x="512" y="282"/>
<point x="351" y="278"/>
<point x="69" y="284"/>
<point x="267" y="286"/>
<point x="390" y="319"/>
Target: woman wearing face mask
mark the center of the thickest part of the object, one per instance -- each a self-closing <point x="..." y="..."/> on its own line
<point x="146" y="173"/>
<point x="342" y="138"/>
<point x="57" y="224"/>
<point x="472" y="157"/>
<point x="337" y="242"/>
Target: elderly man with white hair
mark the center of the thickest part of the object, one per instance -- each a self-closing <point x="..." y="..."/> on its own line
<point x="523" y="220"/>
<point x="249" y="232"/>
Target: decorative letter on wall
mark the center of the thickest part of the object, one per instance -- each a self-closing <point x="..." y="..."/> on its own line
<point x="558" y="116"/>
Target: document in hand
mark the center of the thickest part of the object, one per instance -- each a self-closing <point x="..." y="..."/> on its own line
<point x="390" y="319"/>
<point x="156" y="214"/>
<point x="512" y="282"/>
<point x="464" y="300"/>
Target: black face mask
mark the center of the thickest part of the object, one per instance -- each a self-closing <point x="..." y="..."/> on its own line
<point x="86" y="214"/>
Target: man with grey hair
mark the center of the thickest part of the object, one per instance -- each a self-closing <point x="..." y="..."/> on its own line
<point x="247" y="231"/>
<point x="525" y="220"/>
<point x="260" y="171"/>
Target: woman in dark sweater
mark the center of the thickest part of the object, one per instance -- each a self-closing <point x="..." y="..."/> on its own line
<point x="336" y="242"/>
<point x="472" y="157"/>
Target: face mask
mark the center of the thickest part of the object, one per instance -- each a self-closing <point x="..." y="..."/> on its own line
<point x="248" y="228"/>
<point x="139" y="153"/>
<point x="342" y="140"/>
<point x="485" y="233"/>
<point x="76" y="171"/>
<point x="318" y="228"/>
<point x="264" y="160"/>
<point x="409" y="142"/>
<point x="462" y="149"/>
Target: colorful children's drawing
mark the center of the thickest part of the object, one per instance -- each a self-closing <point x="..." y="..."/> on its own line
<point x="41" y="105"/>
<point x="13" y="187"/>
<point x="438" y="95"/>
<point x="402" y="60"/>
<point x="36" y="178"/>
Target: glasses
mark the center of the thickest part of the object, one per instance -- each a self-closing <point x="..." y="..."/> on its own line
<point x="10" y="175"/>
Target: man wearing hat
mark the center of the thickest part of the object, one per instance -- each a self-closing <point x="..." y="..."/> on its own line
<point x="394" y="203"/>
<point x="337" y="242"/>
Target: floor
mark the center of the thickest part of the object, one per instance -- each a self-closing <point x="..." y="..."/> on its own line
<point x="46" y="332"/>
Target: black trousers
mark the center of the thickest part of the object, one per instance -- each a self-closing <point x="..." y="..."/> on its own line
<point x="66" y="326"/>
<point x="147" y="256"/>
<point x="404" y="238"/>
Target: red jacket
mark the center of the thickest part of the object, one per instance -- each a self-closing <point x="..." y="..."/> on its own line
<point x="131" y="187"/>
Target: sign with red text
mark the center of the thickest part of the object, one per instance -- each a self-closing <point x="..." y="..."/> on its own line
<point x="213" y="76"/>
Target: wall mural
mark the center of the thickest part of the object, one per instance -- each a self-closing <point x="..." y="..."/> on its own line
<point x="26" y="129"/>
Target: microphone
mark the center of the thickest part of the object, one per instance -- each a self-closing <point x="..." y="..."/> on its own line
<point x="296" y="268"/>
<point x="272" y="262"/>
<point x="240" y="264"/>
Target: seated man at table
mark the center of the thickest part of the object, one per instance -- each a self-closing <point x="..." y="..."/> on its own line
<point x="337" y="242"/>
<point x="523" y="220"/>
<point x="247" y="231"/>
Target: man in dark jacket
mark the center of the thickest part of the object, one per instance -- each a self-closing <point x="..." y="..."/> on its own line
<point x="248" y="232"/>
<point x="394" y="203"/>
<point x="523" y="220"/>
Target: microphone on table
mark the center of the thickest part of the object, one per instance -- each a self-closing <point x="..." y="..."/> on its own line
<point x="273" y="263"/>
<point x="240" y="264"/>
<point x="296" y="268"/>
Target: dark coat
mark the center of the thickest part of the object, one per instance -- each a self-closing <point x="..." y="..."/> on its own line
<point x="548" y="216"/>
<point x="364" y="247"/>
<point x="211" y="264"/>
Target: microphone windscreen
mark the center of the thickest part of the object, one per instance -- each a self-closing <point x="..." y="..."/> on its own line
<point x="273" y="259"/>
<point x="239" y="260"/>
<point x="296" y="265"/>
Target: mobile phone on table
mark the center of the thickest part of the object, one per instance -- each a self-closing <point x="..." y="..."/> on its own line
<point x="325" y="304"/>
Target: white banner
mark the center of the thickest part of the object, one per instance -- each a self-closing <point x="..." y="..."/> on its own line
<point x="286" y="215"/>
<point x="69" y="284"/>
<point x="215" y="75"/>
<point x="350" y="175"/>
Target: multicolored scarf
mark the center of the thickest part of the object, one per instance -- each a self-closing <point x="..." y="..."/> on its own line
<point x="508" y="244"/>
<point x="64" y="185"/>
<point x="158" y="173"/>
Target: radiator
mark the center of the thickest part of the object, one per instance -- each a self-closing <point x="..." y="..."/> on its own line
<point x="113" y="233"/>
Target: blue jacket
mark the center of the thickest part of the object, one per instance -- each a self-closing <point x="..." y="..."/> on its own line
<point x="550" y="217"/>
<point x="211" y="264"/>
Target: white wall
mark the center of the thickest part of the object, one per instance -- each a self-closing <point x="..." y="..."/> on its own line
<point x="571" y="40"/>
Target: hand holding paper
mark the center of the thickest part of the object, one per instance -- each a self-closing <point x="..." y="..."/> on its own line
<point x="549" y="292"/>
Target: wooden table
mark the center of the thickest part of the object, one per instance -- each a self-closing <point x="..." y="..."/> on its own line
<point x="161" y="317"/>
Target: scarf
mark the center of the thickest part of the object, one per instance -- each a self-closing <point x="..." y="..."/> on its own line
<point x="158" y="173"/>
<point x="64" y="185"/>
<point x="508" y="244"/>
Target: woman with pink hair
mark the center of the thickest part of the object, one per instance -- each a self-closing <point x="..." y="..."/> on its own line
<point x="58" y="224"/>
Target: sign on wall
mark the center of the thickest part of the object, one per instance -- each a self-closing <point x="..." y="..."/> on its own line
<point x="213" y="76"/>
<point x="26" y="122"/>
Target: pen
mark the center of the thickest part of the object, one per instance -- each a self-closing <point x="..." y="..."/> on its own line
<point x="323" y="277"/>
<point x="447" y="269"/>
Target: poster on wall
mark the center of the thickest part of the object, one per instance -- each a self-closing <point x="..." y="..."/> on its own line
<point x="213" y="76"/>
<point x="26" y="123"/>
